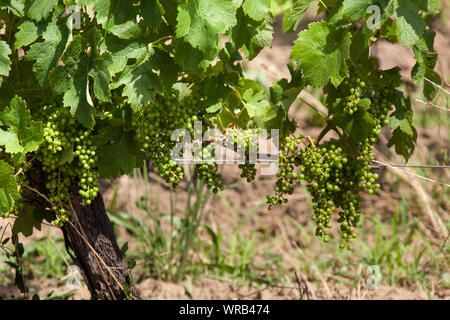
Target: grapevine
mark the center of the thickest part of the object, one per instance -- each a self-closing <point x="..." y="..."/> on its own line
<point x="90" y="103"/>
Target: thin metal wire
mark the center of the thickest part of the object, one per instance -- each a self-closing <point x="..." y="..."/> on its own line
<point x="268" y="161"/>
<point x="265" y="161"/>
<point x="432" y="104"/>
<point x="381" y="164"/>
<point x="264" y="158"/>
<point x="410" y="165"/>
<point x="438" y="86"/>
<point x="197" y="161"/>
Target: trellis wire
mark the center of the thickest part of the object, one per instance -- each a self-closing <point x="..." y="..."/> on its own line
<point x="269" y="161"/>
<point x="399" y="167"/>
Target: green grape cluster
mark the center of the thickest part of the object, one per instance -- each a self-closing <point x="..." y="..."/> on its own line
<point x="17" y="208"/>
<point x="248" y="171"/>
<point x="354" y="87"/>
<point x="287" y="162"/>
<point x="86" y="172"/>
<point x="153" y="127"/>
<point x="246" y="141"/>
<point x="381" y="105"/>
<point x="351" y="91"/>
<point x="67" y="155"/>
<point x="153" y="131"/>
<point x="334" y="181"/>
<point x="336" y="171"/>
<point x="208" y="172"/>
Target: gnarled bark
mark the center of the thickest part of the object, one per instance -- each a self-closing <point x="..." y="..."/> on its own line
<point x="89" y="235"/>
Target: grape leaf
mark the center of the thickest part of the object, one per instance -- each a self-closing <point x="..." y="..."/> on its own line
<point x="192" y="59"/>
<point x="66" y="156"/>
<point x="389" y="31"/>
<point x="256" y="9"/>
<point x="101" y="76"/>
<point x="387" y="8"/>
<point x="251" y="35"/>
<point x="244" y="31"/>
<point x="127" y="30"/>
<point x="168" y="69"/>
<point x="233" y="111"/>
<point x="404" y="134"/>
<point x="294" y="15"/>
<point x="16" y="6"/>
<point x="276" y="119"/>
<point x="358" y="126"/>
<point x="74" y="77"/>
<point x="433" y="6"/>
<point x="401" y="119"/>
<point x="429" y="89"/>
<point x="28" y="33"/>
<point x="404" y="144"/>
<point x="61" y="76"/>
<point x="118" y="17"/>
<point x="40" y="9"/>
<point x="29" y="218"/>
<point x="410" y="25"/>
<point x="282" y="95"/>
<point x="201" y="21"/>
<point x="359" y="49"/>
<point x="336" y="15"/>
<point x="261" y="40"/>
<point x="170" y="11"/>
<point x="5" y="62"/>
<point x="116" y="152"/>
<point x="258" y="108"/>
<point x="121" y="51"/>
<point x="355" y="9"/>
<point x="140" y="80"/>
<point x="78" y="97"/>
<point x="10" y="141"/>
<point x="99" y="67"/>
<point x="9" y="190"/>
<point x="287" y="92"/>
<point x="276" y="92"/>
<point x="214" y="107"/>
<point x="426" y="59"/>
<point x="255" y="103"/>
<point x="321" y="52"/>
<point x="152" y="12"/>
<point x="424" y="49"/>
<point x="47" y="53"/>
<point x="23" y="135"/>
<point x="184" y="22"/>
